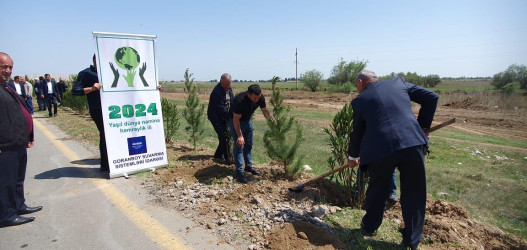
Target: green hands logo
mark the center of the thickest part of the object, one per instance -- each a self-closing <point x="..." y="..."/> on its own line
<point x="128" y="59"/>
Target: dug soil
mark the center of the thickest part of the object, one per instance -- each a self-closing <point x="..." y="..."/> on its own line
<point x="265" y="215"/>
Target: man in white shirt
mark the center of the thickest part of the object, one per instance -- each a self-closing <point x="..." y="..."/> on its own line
<point x="19" y="87"/>
<point x="50" y="93"/>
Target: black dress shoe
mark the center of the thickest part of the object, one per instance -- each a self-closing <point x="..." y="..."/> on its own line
<point x="29" y="210"/>
<point x="253" y="171"/>
<point x="18" y="221"/>
<point x="392" y="199"/>
<point x="241" y="177"/>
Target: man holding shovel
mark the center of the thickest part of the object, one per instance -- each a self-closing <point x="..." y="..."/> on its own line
<point x="386" y="135"/>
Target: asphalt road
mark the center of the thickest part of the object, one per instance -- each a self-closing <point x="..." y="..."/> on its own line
<point x="83" y="209"/>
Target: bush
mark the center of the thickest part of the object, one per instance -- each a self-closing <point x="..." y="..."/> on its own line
<point x="510" y="88"/>
<point x="170" y="118"/>
<point x="515" y="73"/>
<point x="339" y="138"/>
<point x="78" y="104"/>
<point x="312" y="79"/>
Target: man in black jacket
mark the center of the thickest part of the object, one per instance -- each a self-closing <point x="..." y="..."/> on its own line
<point x="88" y="84"/>
<point x="219" y="113"/>
<point x="61" y="85"/>
<point x="38" y="86"/>
<point x="16" y="126"/>
<point x="50" y="93"/>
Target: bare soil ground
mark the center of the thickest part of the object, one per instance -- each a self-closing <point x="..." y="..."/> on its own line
<point x="265" y="215"/>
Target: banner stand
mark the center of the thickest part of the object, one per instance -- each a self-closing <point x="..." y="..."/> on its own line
<point x="130" y="102"/>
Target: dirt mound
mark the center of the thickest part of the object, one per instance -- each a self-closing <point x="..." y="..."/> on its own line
<point x="449" y="224"/>
<point x="461" y="104"/>
<point x="445" y="209"/>
<point x="303" y="235"/>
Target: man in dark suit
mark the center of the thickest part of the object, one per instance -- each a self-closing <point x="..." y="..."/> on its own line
<point x="61" y="85"/>
<point x="88" y="84"/>
<point x="386" y="135"/>
<point x="16" y="126"/>
<point x="219" y="113"/>
<point x="49" y="92"/>
<point x="38" y="86"/>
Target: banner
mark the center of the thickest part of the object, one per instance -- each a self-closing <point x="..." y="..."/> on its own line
<point x="131" y="103"/>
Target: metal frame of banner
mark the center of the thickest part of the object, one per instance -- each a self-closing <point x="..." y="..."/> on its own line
<point x="123" y="34"/>
<point x="127" y="174"/>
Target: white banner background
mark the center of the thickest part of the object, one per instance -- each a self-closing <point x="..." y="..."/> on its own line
<point x="133" y="121"/>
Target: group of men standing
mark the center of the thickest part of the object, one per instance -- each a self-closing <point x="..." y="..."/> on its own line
<point x="228" y="112"/>
<point x="48" y="92"/>
<point x="386" y="135"/>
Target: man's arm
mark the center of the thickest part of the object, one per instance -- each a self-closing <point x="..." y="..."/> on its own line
<point x="218" y="103"/>
<point x="266" y="113"/>
<point x="428" y="100"/>
<point x="357" y="134"/>
<point x="79" y="89"/>
<point x="237" y="128"/>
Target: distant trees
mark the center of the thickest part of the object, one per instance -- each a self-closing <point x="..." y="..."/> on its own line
<point x="345" y="71"/>
<point x="412" y="77"/>
<point x="312" y="79"/>
<point x="514" y="73"/>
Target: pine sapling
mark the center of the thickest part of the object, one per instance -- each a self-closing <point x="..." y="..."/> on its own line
<point x="277" y="141"/>
<point x="194" y="110"/>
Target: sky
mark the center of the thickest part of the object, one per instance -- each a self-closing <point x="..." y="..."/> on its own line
<point x="256" y="40"/>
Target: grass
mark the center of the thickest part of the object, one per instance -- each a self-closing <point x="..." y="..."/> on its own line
<point x="492" y="190"/>
<point x="479" y="178"/>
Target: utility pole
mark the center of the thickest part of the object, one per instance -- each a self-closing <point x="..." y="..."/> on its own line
<point x="296" y="63"/>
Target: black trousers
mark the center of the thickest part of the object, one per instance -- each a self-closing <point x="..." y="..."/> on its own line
<point x="222" y="151"/>
<point x="40" y="102"/>
<point x="13" y="164"/>
<point x="96" y="116"/>
<point x="51" y="100"/>
<point x="410" y="162"/>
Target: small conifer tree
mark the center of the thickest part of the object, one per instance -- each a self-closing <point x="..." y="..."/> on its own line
<point x="170" y="118"/>
<point x="194" y="110"/>
<point x="277" y="141"/>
